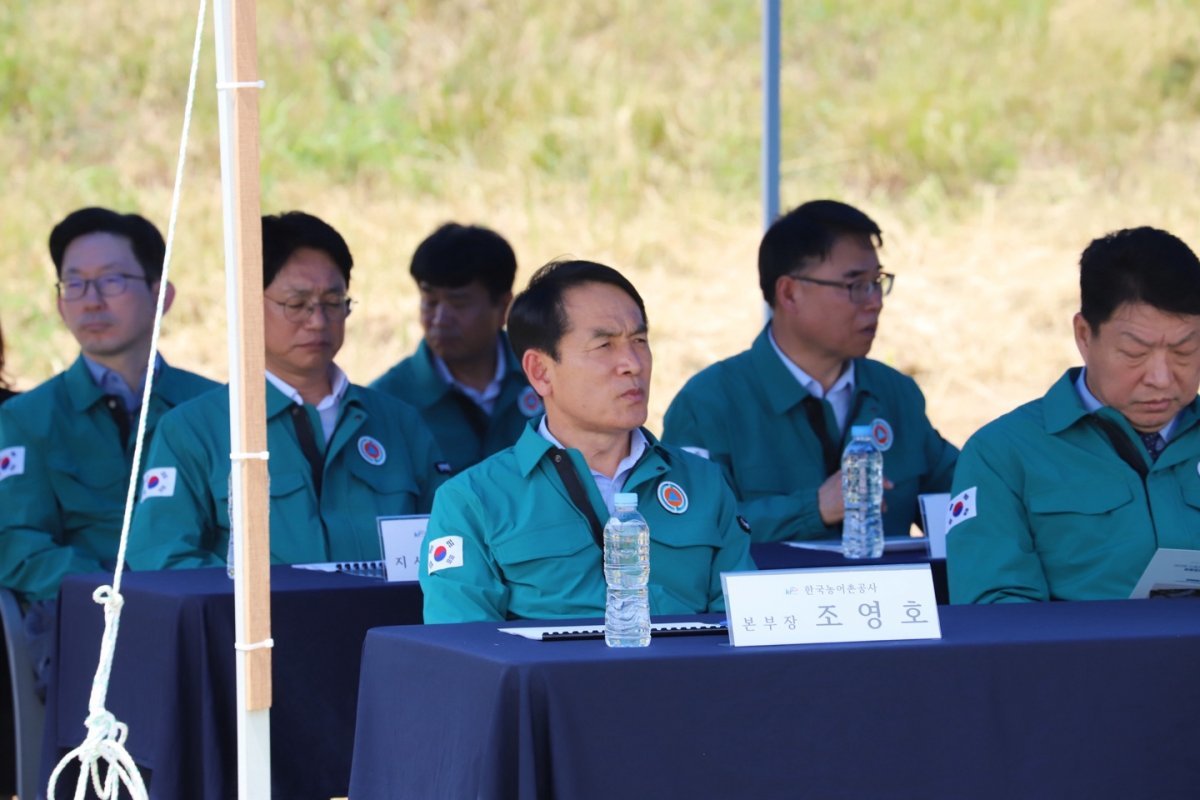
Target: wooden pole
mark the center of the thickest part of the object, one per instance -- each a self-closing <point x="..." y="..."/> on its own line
<point x="254" y="551"/>
<point x="237" y="77"/>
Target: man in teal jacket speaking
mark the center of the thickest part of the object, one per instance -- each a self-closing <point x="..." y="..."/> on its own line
<point x="1068" y="497"/>
<point x="518" y="535"/>
<point x="776" y="417"/>
<point x="464" y="378"/>
<point x="341" y="456"/>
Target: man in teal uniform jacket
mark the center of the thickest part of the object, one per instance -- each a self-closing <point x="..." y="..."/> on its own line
<point x="510" y="537"/>
<point x="464" y="378"/>
<point x="1068" y="497"/>
<point x="341" y="456"/>
<point x="66" y="447"/>
<point x="777" y="416"/>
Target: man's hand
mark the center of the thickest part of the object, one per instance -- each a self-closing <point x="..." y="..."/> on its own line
<point x="829" y="498"/>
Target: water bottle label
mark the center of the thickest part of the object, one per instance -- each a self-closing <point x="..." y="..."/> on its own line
<point x="881" y="434"/>
<point x="672" y="497"/>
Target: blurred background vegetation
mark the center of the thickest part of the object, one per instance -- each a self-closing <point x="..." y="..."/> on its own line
<point x="992" y="139"/>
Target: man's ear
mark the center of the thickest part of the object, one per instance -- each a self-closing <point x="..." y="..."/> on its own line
<point x="168" y="299"/>
<point x="539" y="371"/>
<point x="785" y="293"/>
<point x="1083" y="336"/>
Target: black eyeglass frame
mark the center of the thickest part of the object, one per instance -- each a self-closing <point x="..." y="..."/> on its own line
<point x="116" y="287"/>
<point x="864" y="289"/>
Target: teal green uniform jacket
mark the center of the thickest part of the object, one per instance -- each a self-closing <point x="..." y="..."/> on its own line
<point x="1056" y="513"/>
<point x="528" y="553"/>
<point x="380" y="462"/>
<point x="463" y="432"/>
<point x="63" y="513"/>
<point x="747" y="412"/>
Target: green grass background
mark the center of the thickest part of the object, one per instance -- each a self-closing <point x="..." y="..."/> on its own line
<point x="992" y="140"/>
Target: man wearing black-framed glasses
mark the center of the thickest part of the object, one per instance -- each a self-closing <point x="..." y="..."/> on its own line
<point x="66" y="447"/>
<point x="777" y="416"/>
<point x="342" y="456"/>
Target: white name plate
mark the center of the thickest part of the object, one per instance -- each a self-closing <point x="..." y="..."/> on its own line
<point x="840" y="604"/>
<point x="400" y="542"/>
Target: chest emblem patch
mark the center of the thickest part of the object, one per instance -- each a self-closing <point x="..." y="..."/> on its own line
<point x="371" y="450"/>
<point x="672" y="497"/>
<point x="881" y="433"/>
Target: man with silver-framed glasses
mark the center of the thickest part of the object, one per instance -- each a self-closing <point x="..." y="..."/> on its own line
<point x="342" y="455"/>
<point x="777" y="416"/>
<point x="66" y="447"/>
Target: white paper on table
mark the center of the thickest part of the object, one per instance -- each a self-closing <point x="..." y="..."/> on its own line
<point x="1170" y="571"/>
<point x="655" y="627"/>
<point x="891" y="544"/>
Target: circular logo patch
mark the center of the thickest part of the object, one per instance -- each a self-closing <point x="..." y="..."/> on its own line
<point x="529" y="402"/>
<point x="371" y="450"/>
<point x="672" y="497"/>
<point x="881" y="432"/>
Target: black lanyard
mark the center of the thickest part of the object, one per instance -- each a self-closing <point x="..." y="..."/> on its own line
<point x="578" y="494"/>
<point x="308" y="445"/>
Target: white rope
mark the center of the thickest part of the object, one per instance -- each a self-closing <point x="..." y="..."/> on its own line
<point x="265" y="644"/>
<point x="105" y="741"/>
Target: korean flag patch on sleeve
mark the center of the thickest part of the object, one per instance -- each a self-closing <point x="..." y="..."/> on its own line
<point x="12" y="462"/>
<point x="158" y="482"/>
<point x="444" y="553"/>
<point x="961" y="508"/>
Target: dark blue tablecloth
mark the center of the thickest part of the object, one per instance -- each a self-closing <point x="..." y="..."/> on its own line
<point x="173" y="679"/>
<point x="1080" y="700"/>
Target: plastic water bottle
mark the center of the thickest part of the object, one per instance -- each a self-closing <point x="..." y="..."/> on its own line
<point x="862" y="493"/>
<point x="627" y="572"/>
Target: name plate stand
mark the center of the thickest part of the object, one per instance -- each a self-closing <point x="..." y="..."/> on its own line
<point x="840" y="604"/>
<point x="400" y="542"/>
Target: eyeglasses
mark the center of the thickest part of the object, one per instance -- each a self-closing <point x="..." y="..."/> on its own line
<point x="110" y="285"/>
<point x="859" y="291"/>
<point x="299" y="311"/>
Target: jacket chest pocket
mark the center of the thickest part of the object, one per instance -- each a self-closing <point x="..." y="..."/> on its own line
<point x="1079" y="519"/>
<point x="390" y="491"/>
<point x="88" y="496"/>
<point x="284" y="488"/>
<point x="554" y="555"/>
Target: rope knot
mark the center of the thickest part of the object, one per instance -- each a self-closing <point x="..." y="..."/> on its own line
<point x="107" y="597"/>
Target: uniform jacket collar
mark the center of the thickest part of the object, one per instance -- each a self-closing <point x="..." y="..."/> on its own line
<point x="84" y="393"/>
<point x="531" y="448"/>
<point x="784" y="392"/>
<point x="1063" y="408"/>
<point x="429" y="388"/>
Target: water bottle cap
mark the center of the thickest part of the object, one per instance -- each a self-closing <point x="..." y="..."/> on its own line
<point x="857" y="431"/>
<point x="625" y="499"/>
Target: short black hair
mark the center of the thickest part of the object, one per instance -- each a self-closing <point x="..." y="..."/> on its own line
<point x="454" y="255"/>
<point x="144" y="239"/>
<point x="284" y="234"/>
<point x="1137" y="265"/>
<point x="538" y="317"/>
<point x="805" y="235"/>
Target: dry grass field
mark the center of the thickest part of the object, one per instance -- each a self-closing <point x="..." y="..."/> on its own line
<point x="991" y="139"/>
